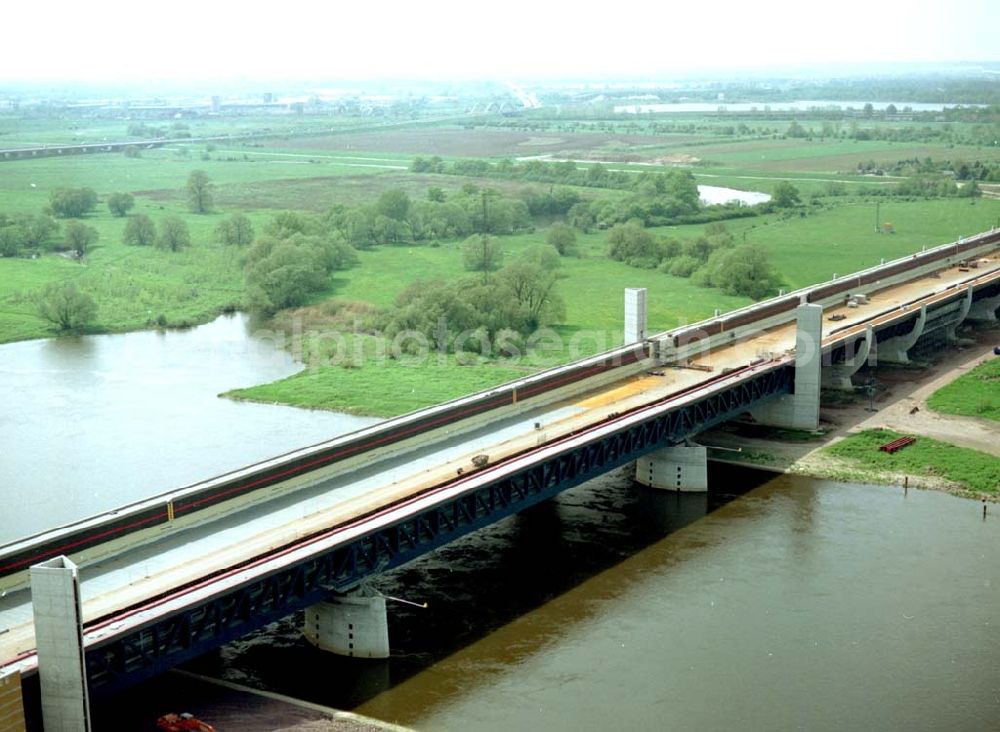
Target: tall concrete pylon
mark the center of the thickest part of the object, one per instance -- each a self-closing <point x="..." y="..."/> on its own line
<point x="62" y="672"/>
<point x="635" y="314"/>
<point x="800" y="409"/>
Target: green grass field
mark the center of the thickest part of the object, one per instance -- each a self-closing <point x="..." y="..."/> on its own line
<point x="972" y="469"/>
<point x="382" y="388"/>
<point x="136" y="287"/>
<point x="975" y="394"/>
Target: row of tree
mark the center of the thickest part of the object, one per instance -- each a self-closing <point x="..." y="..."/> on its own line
<point x="661" y="198"/>
<point x="75" y="203"/>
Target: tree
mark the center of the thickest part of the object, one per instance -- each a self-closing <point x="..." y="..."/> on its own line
<point x="120" y="203"/>
<point x="393" y="203"/>
<point x="140" y="231"/>
<point x="174" y="234"/>
<point x="66" y="307"/>
<point x="72" y="203"/>
<point x="533" y="288"/>
<point x="435" y="194"/>
<point x="743" y="270"/>
<point x="37" y="229"/>
<point x="283" y="273"/>
<point x="633" y="245"/>
<point x="796" y="130"/>
<point x="562" y="238"/>
<point x="481" y="253"/>
<point x="11" y="240"/>
<point x="785" y="195"/>
<point x="237" y="230"/>
<point x="80" y="237"/>
<point x="199" y="189"/>
<point x="970" y="190"/>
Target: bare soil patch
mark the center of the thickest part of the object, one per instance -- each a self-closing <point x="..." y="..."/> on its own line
<point x="457" y="142"/>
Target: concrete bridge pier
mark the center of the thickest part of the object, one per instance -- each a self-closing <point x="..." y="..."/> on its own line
<point x="950" y="332"/>
<point x="894" y="350"/>
<point x="678" y="468"/>
<point x="838" y="375"/>
<point x="351" y="624"/>
<point x="62" y="672"/>
<point x="985" y="310"/>
<point x="800" y="409"/>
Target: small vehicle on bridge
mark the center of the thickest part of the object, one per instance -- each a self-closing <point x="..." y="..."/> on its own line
<point x="183" y="722"/>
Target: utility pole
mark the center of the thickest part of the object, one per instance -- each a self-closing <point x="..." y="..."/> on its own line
<point x="485" y="194"/>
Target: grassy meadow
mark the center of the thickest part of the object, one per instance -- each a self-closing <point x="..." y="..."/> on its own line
<point x="136" y="287"/>
<point x="975" y="394"/>
<point x="974" y="470"/>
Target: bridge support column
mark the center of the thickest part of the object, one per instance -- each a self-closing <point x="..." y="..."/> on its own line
<point x="950" y="331"/>
<point x="353" y="624"/>
<point x="838" y="375"/>
<point x="635" y="315"/>
<point x="677" y="468"/>
<point x="55" y="602"/>
<point x="894" y="350"/>
<point x="985" y="310"/>
<point x="800" y="410"/>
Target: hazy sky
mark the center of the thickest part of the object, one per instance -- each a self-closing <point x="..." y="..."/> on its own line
<point x="97" y="40"/>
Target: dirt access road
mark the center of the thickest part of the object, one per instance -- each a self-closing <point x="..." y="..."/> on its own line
<point x="901" y="405"/>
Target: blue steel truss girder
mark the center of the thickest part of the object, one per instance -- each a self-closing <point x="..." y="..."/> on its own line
<point x="238" y="610"/>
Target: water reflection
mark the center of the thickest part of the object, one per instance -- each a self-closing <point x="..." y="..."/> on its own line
<point x="91" y="423"/>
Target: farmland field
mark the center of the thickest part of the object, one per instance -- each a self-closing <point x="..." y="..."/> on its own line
<point x="833" y="232"/>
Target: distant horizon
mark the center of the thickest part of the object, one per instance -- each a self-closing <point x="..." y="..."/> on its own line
<point x="693" y="77"/>
<point x="107" y="42"/>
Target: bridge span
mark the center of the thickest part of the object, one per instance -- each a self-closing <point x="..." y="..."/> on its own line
<point x="166" y="579"/>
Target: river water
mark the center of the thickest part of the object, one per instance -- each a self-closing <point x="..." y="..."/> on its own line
<point x="805" y="105"/>
<point x="777" y="603"/>
<point x="89" y="424"/>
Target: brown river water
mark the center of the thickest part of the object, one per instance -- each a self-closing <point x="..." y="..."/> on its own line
<point x="777" y="602"/>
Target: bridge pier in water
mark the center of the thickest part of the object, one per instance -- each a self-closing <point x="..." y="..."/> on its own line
<point x="352" y="624"/>
<point x="677" y="468"/>
<point x="800" y="409"/>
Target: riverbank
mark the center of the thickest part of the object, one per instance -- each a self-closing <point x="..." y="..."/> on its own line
<point x="901" y="408"/>
<point x="228" y="706"/>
